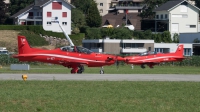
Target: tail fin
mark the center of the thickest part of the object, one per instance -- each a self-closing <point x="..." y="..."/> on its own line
<point x="180" y="50"/>
<point x="23" y="45"/>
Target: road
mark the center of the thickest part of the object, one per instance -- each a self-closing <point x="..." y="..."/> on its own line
<point x="104" y="77"/>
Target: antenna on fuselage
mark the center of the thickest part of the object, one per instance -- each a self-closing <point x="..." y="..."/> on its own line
<point x="68" y="38"/>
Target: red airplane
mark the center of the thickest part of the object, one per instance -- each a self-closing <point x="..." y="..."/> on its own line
<point x="152" y="58"/>
<point x="69" y="56"/>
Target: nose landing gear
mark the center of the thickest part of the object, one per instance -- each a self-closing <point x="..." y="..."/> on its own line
<point x="101" y="71"/>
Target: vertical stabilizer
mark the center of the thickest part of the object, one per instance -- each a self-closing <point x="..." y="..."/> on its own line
<point x="180" y="50"/>
<point x="23" y="46"/>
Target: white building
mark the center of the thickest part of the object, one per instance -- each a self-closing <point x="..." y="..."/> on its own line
<point x="106" y="6"/>
<point x="131" y="46"/>
<point x="171" y="47"/>
<point x="177" y="16"/>
<point x="43" y="12"/>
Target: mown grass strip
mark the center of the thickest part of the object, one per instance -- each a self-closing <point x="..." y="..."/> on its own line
<point x="99" y="96"/>
<point x="122" y="69"/>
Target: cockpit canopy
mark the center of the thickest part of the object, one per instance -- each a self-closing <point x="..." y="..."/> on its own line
<point x="76" y="49"/>
<point x="147" y="53"/>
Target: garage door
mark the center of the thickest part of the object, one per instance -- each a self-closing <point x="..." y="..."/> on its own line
<point x="175" y="27"/>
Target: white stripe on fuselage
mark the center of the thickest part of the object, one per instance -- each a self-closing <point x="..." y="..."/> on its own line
<point x="67" y="57"/>
<point x="154" y="58"/>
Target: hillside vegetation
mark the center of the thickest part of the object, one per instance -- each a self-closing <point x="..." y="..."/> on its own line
<point x="8" y="39"/>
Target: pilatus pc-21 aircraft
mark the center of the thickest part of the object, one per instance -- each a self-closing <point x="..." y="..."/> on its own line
<point x="69" y="56"/>
<point x="74" y="57"/>
<point x="151" y="58"/>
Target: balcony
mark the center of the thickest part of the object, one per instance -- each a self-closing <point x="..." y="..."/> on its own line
<point x="133" y="50"/>
<point x="34" y="18"/>
<point x="132" y="7"/>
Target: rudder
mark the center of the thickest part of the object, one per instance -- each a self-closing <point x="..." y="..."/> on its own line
<point x="23" y="45"/>
<point x="179" y="50"/>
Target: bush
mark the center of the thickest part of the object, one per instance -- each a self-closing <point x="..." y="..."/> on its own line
<point x="93" y="33"/>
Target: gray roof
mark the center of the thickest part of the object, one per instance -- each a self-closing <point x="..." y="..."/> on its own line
<point x="39" y="3"/>
<point x="29" y="7"/>
<point x="168" y="5"/>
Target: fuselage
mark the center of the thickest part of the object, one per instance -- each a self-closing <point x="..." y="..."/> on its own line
<point x="66" y="58"/>
<point x="153" y="58"/>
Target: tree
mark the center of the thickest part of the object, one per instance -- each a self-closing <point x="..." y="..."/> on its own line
<point x="93" y="33"/>
<point x="78" y="18"/>
<point x="122" y="33"/>
<point x="150" y="6"/>
<point x="176" y="38"/>
<point x="93" y="18"/>
<point x="3" y="9"/>
<point x="197" y="3"/>
<point x="17" y="5"/>
<point x="82" y="5"/>
<point x="166" y="37"/>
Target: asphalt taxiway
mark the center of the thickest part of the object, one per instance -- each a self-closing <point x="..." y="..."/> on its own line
<point x="104" y="77"/>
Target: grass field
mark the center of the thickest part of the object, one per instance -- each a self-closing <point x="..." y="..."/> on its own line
<point x="99" y="96"/>
<point x="122" y="69"/>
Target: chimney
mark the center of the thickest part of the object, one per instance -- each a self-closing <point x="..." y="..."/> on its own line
<point x="37" y="2"/>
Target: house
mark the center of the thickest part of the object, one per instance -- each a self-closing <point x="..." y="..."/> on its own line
<point x="43" y="12"/>
<point x="177" y="16"/>
<point x="120" y="12"/>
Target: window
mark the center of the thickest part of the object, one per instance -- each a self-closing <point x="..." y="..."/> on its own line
<point x="64" y="23"/>
<point x="56" y="5"/>
<point x="187" y="52"/>
<point x="162" y="50"/>
<point x="180" y="15"/>
<point x="161" y="17"/>
<point x="166" y="16"/>
<point x="149" y="48"/>
<point x="175" y="27"/>
<point x="101" y="4"/>
<point x="184" y="16"/>
<point x="38" y="13"/>
<point x="48" y="14"/>
<point x="48" y="23"/>
<point x="157" y="16"/>
<point x="192" y="26"/>
<point x="64" y="14"/>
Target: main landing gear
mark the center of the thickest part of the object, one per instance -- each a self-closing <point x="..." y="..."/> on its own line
<point x="142" y="66"/>
<point x="101" y="71"/>
<point x="79" y="69"/>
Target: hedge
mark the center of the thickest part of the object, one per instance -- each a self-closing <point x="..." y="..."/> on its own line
<point x="191" y="61"/>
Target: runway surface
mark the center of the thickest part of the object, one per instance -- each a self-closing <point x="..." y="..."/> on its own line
<point x="104" y="77"/>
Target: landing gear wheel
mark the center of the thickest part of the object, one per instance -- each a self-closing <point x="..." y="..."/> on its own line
<point x="101" y="72"/>
<point x="142" y="66"/>
<point x="79" y="71"/>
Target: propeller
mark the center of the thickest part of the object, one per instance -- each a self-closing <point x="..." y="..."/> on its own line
<point x="119" y="59"/>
